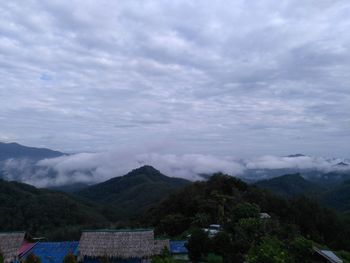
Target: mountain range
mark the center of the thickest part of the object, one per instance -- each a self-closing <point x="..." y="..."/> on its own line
<point x="17" y="151"/>
<point x="333" y="195"/>
<point x="58" y="215"/>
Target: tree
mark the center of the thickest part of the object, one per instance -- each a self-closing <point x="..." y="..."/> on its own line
<point x="69" y="258"/>
<point x="245" y="210"/>
<point x="164" y="257"/>
<point x="221" y="244"/>
<point x="31" y="258"/>
<point x="198" y="245"/>
<point x="213" y="258"/>
<point x="1" y="258"/>
<point x="269" y="251"/>
<point x="200" y="220"/>
<point x="301" y="249"/>
<point x="173" y="224"/>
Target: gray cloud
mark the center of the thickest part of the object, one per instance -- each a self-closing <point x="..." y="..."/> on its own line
<point x="216" y="78"/>
<point x="90" y="168"/>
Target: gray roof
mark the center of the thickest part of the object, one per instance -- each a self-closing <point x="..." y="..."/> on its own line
<point x="10" y="243"/>
<point x="129" y="243"/>
<point x="329" y="255"/>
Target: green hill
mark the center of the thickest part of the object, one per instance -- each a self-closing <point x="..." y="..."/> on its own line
<point x="290" y="185"/>
<point x="236" y="206"/>
<point x="132" y="194"/>
<point x="46" y="213"/>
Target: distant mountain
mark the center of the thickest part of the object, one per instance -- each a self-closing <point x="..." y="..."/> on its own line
<point x="296" y="155"/>
<point x="46" y="213"/>
<point x="289" y="185"/>
<point x="17" y="151"/>
<point x="331" y="189"/>
<point x="330" y="179"/>
<point x="133" y="193"/>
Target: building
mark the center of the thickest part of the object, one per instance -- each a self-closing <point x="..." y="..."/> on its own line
<point x="325" y="256"/>
<point x="160" y="244"/>
<point x="10" y="244"/>
<point x="127" y="246"/>
<point x="264" y="216"/>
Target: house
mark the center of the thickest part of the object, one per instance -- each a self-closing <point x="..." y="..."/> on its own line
<point x="52" y="252"/>
<point x="178" y="250"/>
<point x="126" y="245"/>
<point x="325" y="256"/>
<point x="10" y="244"/>
<point x="160" y="244"/>
<point x="213" y="230"/>
<point x="264" y="216"/>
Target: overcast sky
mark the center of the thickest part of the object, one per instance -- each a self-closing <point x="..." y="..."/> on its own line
<point x="241" y="78"/>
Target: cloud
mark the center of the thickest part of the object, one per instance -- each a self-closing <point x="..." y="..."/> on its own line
<point x="220" y="78"/>
<point x="299" y="162"/>
<point x="91" y="168"/>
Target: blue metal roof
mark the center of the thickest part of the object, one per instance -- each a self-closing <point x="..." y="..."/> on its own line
<point x="178" y="247"/>
<point x="54" y="252"/>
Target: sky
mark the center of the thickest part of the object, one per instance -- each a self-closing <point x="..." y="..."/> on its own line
<point x="222" y="78"/>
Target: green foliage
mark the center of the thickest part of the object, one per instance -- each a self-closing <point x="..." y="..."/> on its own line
<point x="163" y="260"/>
<point x="164" y="257"/>
<point x="213" y="258"/>
<point x="198" y="245"/>
<point x="269" y="251"/>
<point x="200" y="220"/>
<point x="31" y="258"/>
<point x="1" y="258"/>
<point x="173" y="224"/>
<point x="301" y="249"/>
<point x="221" y="244"/>
<point x="70" y="258"/>
<point x="243" y="229"/>
<point x="245" y="210"/>
<point x="46" y="213"/>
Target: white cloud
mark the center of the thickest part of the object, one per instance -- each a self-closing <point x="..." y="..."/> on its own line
<point x="93" y="168"/>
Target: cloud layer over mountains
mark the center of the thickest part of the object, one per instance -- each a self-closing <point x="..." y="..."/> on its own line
<point x="210" y="77"/>
<point x="91" y="168"/>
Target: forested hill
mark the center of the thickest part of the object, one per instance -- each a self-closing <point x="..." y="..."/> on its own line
<point x="132" y="194"/>
<point x="236" y="205"/>
<point x="335" y="195"/>
<point x="15" y="150"/>
<point x="290" y="185"/>
<point x="54" y="215"/>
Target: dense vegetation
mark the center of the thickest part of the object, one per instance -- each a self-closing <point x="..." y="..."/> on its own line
<point x="54" y="215"/>
<point x="59" y="216"/>
<point x="130" y="195"/>
<point x="294" y="225"/>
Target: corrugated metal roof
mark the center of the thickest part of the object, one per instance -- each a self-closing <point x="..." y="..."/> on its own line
<point x="330" y="255"/>
<point x="54" y="252"/>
